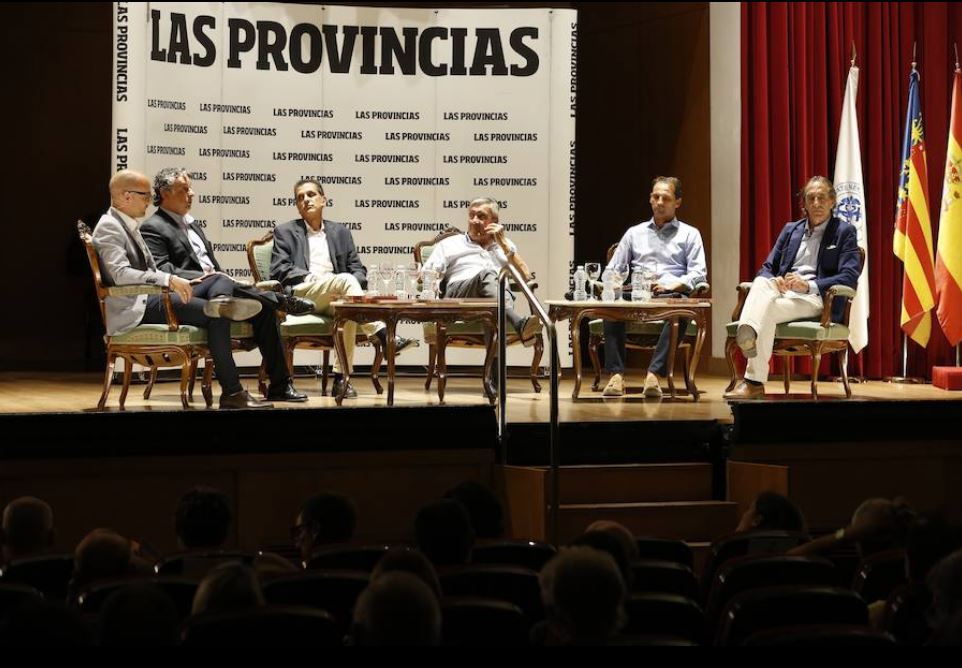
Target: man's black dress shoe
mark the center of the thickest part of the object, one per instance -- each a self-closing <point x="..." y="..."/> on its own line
<point x="296" y="305"/>
<point x="338" y="384"/>
<point x="285" y="392"/>
<point x="242" y="399"/>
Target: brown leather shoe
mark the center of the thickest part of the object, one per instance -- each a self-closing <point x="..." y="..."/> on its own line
<point x="746" y="391"/>
<point x="242" y="399"/>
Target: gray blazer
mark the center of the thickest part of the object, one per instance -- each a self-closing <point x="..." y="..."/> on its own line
<point x="124" y="260"/>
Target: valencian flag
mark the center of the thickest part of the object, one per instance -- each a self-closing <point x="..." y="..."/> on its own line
<point x="948" y="266"/>
<point x="913" y="229"/>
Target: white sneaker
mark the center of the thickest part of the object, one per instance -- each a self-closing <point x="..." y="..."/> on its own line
<point x="653" y="387"/>
<point x="615" y="386"/>
<point x="745" y="338"/>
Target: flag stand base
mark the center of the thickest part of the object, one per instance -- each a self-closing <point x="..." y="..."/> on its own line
<point x="903" y="380"/>
<point x="854" y="380"/>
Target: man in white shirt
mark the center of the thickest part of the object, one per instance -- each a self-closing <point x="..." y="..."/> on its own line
<point x="471" y="262"/>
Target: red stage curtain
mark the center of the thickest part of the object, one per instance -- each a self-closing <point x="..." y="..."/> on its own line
<point x="795" y="60"/>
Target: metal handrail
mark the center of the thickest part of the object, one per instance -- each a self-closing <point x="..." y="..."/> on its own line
<point x="553" y="437"/>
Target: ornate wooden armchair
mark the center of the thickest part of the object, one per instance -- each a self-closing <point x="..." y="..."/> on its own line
<point x="642" y="335"/>
<point x="152" y="346"/>
<point x="469" y="334"/>
<point x="312" y="331"/>
<point x="810" y="338"/>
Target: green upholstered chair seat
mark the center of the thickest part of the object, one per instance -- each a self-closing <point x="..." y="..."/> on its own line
<point x="471" y="328"/>
<point x="308" y="325"/>
<point x="652" y="328"/>
<point x="810" y="330"/>
<point x="241" y="330"/>
<point x="160" y="334"/>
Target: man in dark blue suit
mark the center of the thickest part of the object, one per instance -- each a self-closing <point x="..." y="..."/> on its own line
<point x="316" y="259"/>
<point x="810" y="256"/>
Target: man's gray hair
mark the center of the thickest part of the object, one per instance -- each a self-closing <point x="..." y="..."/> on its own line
<point x="488" y="202"/>
<point x="164" y="180"/>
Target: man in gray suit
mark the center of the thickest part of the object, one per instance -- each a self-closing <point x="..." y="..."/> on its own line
<point x="316" y="259"/>
<point x="126" y="260"/>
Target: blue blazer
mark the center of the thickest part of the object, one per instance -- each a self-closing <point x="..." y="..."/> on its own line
<point x="839" y="262"/>
<point x="291" y="258"/>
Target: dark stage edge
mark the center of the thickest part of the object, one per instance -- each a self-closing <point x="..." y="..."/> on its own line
<point x="821" y="421"/>
<point x="93" y="434"/>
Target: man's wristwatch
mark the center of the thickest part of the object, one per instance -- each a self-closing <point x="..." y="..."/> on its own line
<point x="840" y="534"/>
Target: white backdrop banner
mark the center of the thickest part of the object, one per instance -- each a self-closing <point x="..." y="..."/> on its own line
<point x="404" y="115"/>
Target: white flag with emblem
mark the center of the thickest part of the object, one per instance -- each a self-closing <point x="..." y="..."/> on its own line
<point x="850" y="205"/>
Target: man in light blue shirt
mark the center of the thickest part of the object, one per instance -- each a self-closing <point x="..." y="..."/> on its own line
<point x="674" y="252"/>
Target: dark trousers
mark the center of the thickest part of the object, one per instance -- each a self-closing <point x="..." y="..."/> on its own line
<point x="485" y="284"/>
<point x="615" y="352"/>
<point x="266" y="329"/>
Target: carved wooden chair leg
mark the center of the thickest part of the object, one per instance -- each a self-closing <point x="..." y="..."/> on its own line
<point x="108" y="379"/>
<point x="816" y="362"/>
<point x="536" y="362"/>
<point x="787" y="373"/>
<point x="128" y="370"/>
<point x="594" y="344"/>
<point x="376" y="367"/>
<point x="150" y="383"/>
<point x="843" y="361"/>
<point x="730" y="347"/>
<point x="432" y="362"/>
<point x="186" y="378"/>
<point x="206" y="381"/>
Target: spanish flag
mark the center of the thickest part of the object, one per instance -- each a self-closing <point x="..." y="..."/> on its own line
<point x="913" y="229"/>
<point x="948" y="265"/>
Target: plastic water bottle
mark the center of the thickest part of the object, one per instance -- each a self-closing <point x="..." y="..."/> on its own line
<point x="373" y="280"/>
<point x="400" y="282"/>
<point x="608" y="283"/>
<point x="429" y="282"/>
<point x="640" y="291"/>
<point x="580" y="294"/>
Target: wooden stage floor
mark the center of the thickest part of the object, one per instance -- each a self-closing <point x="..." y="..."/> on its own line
<point x="64" y="393"/>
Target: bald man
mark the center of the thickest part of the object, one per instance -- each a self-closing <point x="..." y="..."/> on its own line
<point x="203" y="302"/>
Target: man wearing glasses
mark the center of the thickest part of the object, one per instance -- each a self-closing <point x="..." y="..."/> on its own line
<point x="126" y="260"/>
<point x="674" y="252"/>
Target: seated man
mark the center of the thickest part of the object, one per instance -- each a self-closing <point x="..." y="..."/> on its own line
<point x="810" y="256"/>
<point x="180" y="247"/>
<point x="316" y="259"/>
<point x="674" y="251"/>
<point x="126" y="260"/>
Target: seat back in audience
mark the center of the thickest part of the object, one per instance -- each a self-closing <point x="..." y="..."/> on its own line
<point x="50" y="574"/>
<point x="181" y="590"/>
<point x="336" y="592"/>
<point x="278" y="627"/>
<point x="666" y="577"/>
<point x="665" y="615"/>
<point x="13" y="594"/>
<point x="905" y="615"/>
<point x="742" y="544"/>
<point x="482" y="622"/>
<point x="506" y="583"/>
<point x="347" y="557"/>
<point x="879" y="575"/>
<point x="665" y="549"/>
<point x="769" y="570"/>
<point x="821" y="635"/>
<point x="525" y="553"/>
<point x="198" y="564"/>
<point x="774" y="607"/>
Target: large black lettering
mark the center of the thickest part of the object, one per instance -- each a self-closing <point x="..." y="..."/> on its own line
<point x="368" y="44"/>
<point x="210" y="51"/>
<point x="156" y="53"/>
<point x="425" y="47"/>
<point x="458" y="38"/>
<point x="271" y="40"/>
<point x="315" y="52"/>
<point x="488" y="51"/>
<point x="339" y="60"/>
<point x="240" y="35"/>
<point x="179" y="44"/>
<point x="392" y="50"/>
<point x="532" y="61"/>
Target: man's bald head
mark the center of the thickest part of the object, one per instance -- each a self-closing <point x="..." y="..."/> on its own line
<point x="130" y="192"/>
<point x="27" y="526"/>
